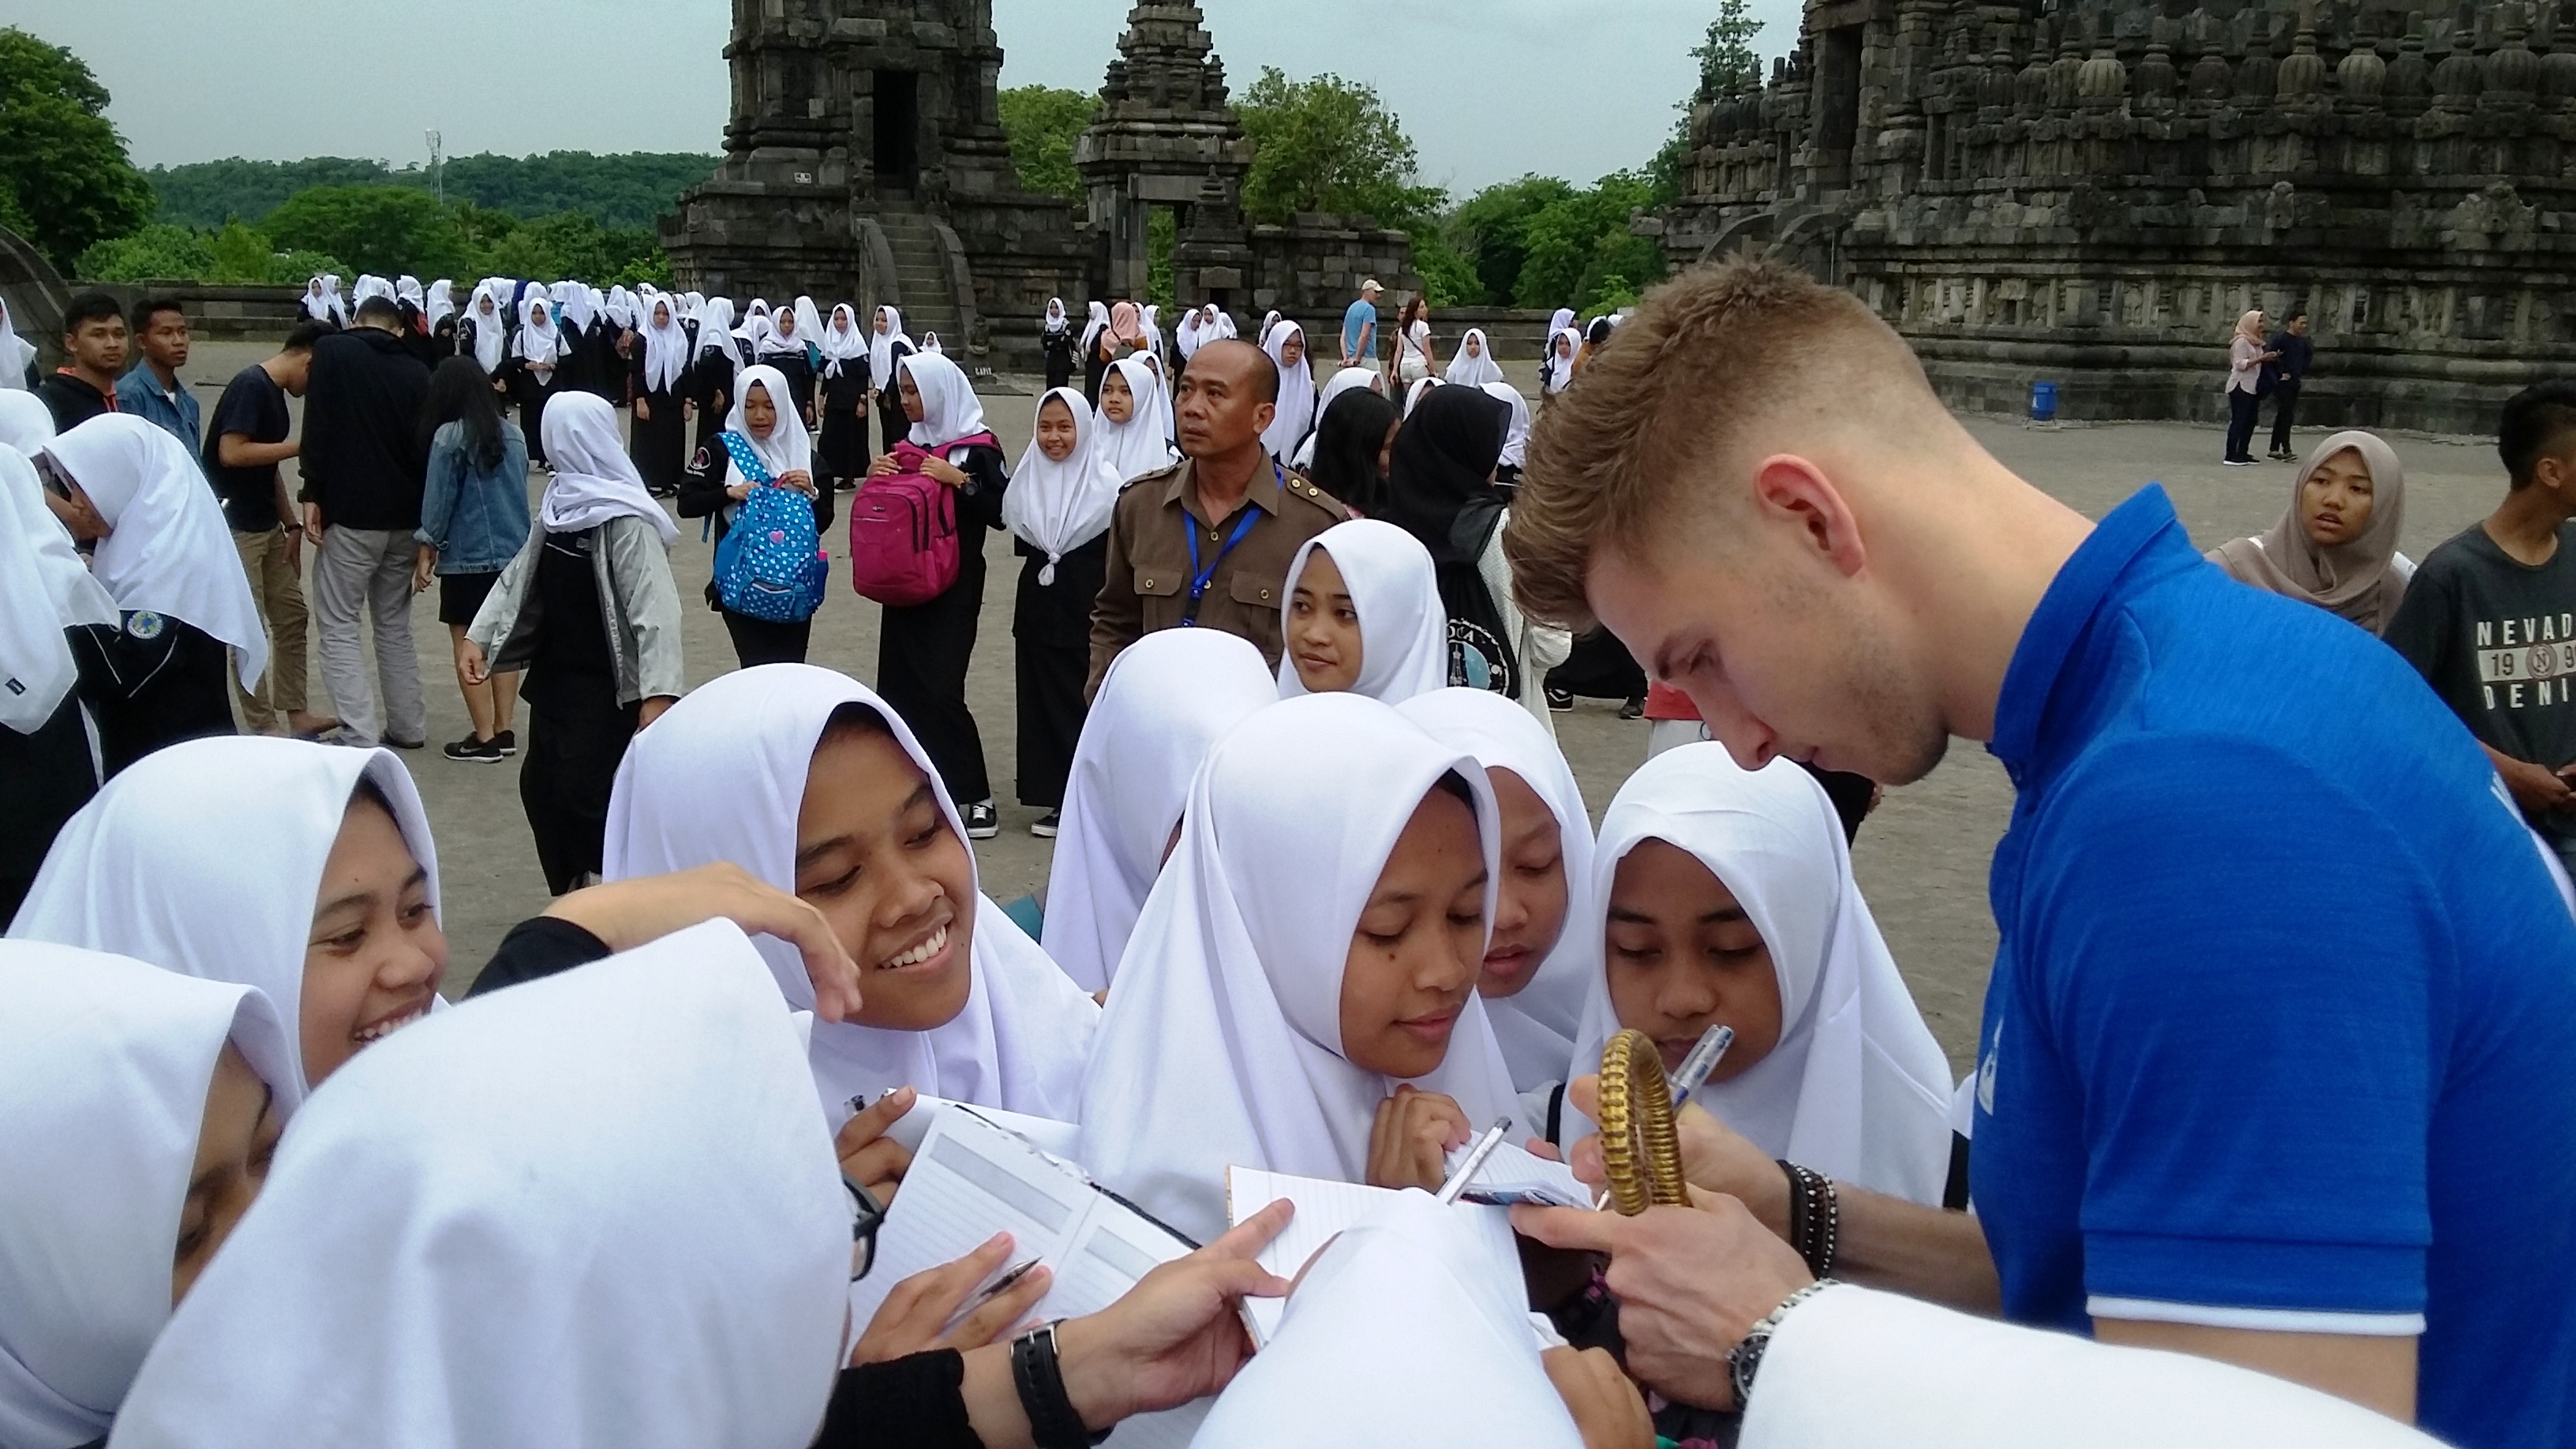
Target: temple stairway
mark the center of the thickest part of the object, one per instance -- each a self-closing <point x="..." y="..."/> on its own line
<point x="922" y="278"/>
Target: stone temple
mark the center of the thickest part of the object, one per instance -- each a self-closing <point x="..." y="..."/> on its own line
<point x="2089" y="192"/>
<point x="866" y="160"/>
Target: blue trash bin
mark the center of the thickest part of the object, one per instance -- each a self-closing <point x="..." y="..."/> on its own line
<point x="2043" y="402"/>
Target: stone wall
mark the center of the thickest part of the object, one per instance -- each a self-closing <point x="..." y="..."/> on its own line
<point x="219" y="314"/>
<point x="1318" y="261"/>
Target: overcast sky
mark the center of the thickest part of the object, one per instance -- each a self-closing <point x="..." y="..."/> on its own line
<point x="1488" y="89"/>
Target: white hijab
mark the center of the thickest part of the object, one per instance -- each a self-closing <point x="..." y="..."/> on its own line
<point x="1536" y="1028"/>
<point x="1143" y="443"/>
<point x="593" y="479"/>
<point x="205" y="858"/>
<point x="491" y="331"/>
<point x="1560" y="368"/>
<point x="1349" y="379"/>
<point x="580" y="304"/>
<point x="1411" y="1327"/>
<point x="666" y="346"/>
<point x="1269" y="323"/>
<point x="1516" y="440"/>
<point x="1413" y="395"/>
<point x="44" y="590"/>
<point x="715" y="329"/>
<point x="1165" y="702"/>
<point x="1186" y="335"/>
<point x="881" y="349"/>
<point x="722" y="777"/>
<point x="1091" y="330"/>
<point x="15" y="352"/>
<point x="407" y="289"/>
<point x="1222" y="1043"/>
<point x="1296" y="416"/>
<point x="1476" y="370"/>
<point x="540" y="341"/>
<point x="170" y="551"/>
<point x="438" y="304"/>
<point x="105" y="1065"/>
<point x="949" y="408"/>
<point x="1404" y="628"/>
<point x="596" y="1209"/>
<point x="26" y="424"/>
<point x="1857" y="1088"/>
<point x="842" y="339"/>
<point x="788" y="448"/>
<point x="1056" y="318"/>
<point x="1058" y="507"/>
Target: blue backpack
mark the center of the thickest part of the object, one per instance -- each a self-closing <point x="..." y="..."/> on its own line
<point x="770" y="564"/>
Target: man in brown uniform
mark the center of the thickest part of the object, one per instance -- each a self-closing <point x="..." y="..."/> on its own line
<point x="1207" y="542"/>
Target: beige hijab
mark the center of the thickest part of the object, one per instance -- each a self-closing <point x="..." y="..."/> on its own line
<point x="2250" y="326"/>
<point x="2351" y="579"/>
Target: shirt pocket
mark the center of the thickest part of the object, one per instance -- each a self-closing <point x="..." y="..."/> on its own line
<point x="1254" y="592"/>
<point x="1160" y="583"/>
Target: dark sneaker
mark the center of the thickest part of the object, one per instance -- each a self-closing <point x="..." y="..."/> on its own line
<point x="471" y="751"/>
<point x="1633" y="709"/>
<point x="983" y="822"/>
<point x="1046" y="827"/>
<point x="394" y="744"/>
<point x="507" y="742"/>
<point x="1560" y="701"/>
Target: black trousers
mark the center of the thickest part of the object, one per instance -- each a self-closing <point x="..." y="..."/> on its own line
<point x="2285" y="413"/>
<point x="922" y="654"/>
<point x="760" y="641"/>
<point x="1599" y="668"/>
<point x="577" y="737"/>
<point x="2243" y="408"/>
<point x="1052" y="710"/>
<point x="659" y="446"/>
<point x="45" y="778"/>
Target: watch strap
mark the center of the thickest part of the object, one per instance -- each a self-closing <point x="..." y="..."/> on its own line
<point x="1744" y="1362"/>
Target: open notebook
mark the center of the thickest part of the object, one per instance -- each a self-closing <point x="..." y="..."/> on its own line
<point x="971" y="1178"/>
<point x="1324" y="1209"/>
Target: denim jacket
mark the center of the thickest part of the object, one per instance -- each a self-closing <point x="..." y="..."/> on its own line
<point x="476" y="519"/>
<point x="175" y="413"/>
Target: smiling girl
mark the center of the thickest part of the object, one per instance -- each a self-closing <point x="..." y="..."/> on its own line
<point x="1363" y="615"/>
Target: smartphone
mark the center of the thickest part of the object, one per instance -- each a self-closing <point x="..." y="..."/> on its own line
<point x="52" y="477"/>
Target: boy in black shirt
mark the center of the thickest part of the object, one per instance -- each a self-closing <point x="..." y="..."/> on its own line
<point x="2490" y="618"/>
<point x="95" y="340"/>
<point x="244" y="446"/>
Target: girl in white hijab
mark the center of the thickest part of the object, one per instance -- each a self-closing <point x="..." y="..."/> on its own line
<point x="1414" y="395"/>
<point x="304" y="870"/>
<point x="1299" y="992"/>
<point x="1296" y="416"/>
<point x="47" y="770"/>
<point x="1165" y="702"/>
<point x="594" y="481"/>
<point x="488" y="315"/>
<point x="17" y="355"/>
<point x="1349" y="379"/>
<point x="169" y="562"/>
<point x="1410" y="1327"/>
<point x="806" y="779"/>
<point x="1563" y="346"/>
<point x="1140" y="442"/>
<point x="1058" y="508"/>
<point x="1516" y="439"/>
<point x="1363" y="614"/>
<point x="659" y="435"/>
<point x="137" y="1111"/>
<point x="883" y="339"/>
<point x="536" y="361"/>
<point x="1474" y="364"/>
<point x="1056" y="343"/>
<point x="1832" y="1066"/>
<point x="841" y="412"/>
<point x="1544" y="954"/>
<point x="438" y="305"/>
<point x="26" y="424"/>
<point x="596" y="1209"/>
<point x="541" y="343"/>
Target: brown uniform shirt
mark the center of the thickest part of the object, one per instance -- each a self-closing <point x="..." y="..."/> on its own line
<point x="1148" y="587"/>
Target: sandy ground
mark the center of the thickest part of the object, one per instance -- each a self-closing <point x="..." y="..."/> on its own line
<point x="1921" y="860"/>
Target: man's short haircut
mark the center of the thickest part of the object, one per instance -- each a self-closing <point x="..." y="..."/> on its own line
<point x="2296" y="314"/>
<point x="304" y="336"/>
<point x="151" y="307"/>
<point x="1714" y="349"/>
<point x="1263" y="377"/>
<point x="90" y="307"/>
<point x="2539" y="422"/>
<point x="381" y="312"/>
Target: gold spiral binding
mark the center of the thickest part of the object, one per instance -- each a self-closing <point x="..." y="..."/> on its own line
<point x="1641" y="1154"/>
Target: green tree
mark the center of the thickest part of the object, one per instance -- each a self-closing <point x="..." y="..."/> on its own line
<point x="1727" y="60"/>
<point x="383" y="229"/>
<point x="1579" y="245"/>
<point x="628" y="190"/>
<point x="1328" y="144"/>
<point x="1043" y="123"/>
<point x="159" y="252"/>
<point x="65" y="179"/>
<point x="1489" y="231"/>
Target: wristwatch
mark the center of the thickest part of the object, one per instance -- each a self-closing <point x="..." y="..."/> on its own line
<point x="1745" y="1360"/>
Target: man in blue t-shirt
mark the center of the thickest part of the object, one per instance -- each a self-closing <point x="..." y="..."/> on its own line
<point x="2275" y="1065"/>
<point x="1359" y="328"/>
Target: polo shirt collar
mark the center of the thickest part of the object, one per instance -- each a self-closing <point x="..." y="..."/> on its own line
<point x="2082" y="589"/>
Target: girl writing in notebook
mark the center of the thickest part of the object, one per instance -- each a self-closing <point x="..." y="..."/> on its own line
<point x="1299" y="994"/>
<point x="1363" y="615"/>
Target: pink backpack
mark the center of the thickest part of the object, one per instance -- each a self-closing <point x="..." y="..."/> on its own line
<point x="903" y="531"/>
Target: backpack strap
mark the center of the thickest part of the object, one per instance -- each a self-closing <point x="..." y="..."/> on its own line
<point x="745" y="461"/>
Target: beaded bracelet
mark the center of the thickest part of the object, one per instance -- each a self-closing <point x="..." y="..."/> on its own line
<point x="1815" y="1218"/>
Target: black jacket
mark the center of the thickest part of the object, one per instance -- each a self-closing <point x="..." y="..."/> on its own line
<point x="364" y="458"/>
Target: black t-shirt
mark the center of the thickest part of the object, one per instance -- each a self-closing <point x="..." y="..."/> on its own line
<point x="254" y="406"/>
<point x="2496" y="638"/>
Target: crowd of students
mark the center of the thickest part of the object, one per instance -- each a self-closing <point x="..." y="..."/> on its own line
<point x="1325" y="902"/>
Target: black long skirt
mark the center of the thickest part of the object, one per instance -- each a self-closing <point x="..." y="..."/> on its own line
<point x="922" y="654"/>
<point x="660" y="443"/>
<point x="577" y="737"/>
<point x="892" y="425"/>
<point x="1051" y="658"/>
<point x="45" y="778"/>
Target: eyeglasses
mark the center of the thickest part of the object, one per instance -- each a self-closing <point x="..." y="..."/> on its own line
<point x="867" y="1215"/>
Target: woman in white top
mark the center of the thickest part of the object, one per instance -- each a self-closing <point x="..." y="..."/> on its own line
<point x="2245" y="359"/>
<point x="1413" y="359"/>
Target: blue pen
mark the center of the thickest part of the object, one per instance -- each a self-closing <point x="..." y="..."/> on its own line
<point x="1703" y="1060"/>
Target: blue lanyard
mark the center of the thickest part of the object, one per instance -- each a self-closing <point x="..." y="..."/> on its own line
<point x="1200" y="578"/>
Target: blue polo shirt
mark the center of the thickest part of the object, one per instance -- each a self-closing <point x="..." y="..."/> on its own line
<point x="2282" y="1029"/>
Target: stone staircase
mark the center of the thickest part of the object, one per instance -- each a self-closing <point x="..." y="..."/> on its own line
<point x="922" y="279"/>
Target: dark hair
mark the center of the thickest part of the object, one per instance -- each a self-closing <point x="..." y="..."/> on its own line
<point x="304" y="336"/>
<point x="460" y="391"/>
<point x="1456" y="784"/>
<point x="1412" y="309"/>
<point x="368" y="792"/>
<point x="379" y="312"/>
<point x="1598" y="332"/>
<point x="151" y="307"/>
<point x="90" y="307"/>
<point x="853" y="721"/>
<point x="2297" y="314"/>
<point x="2537" y="423"/>
<point x="1348" y="443"/>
